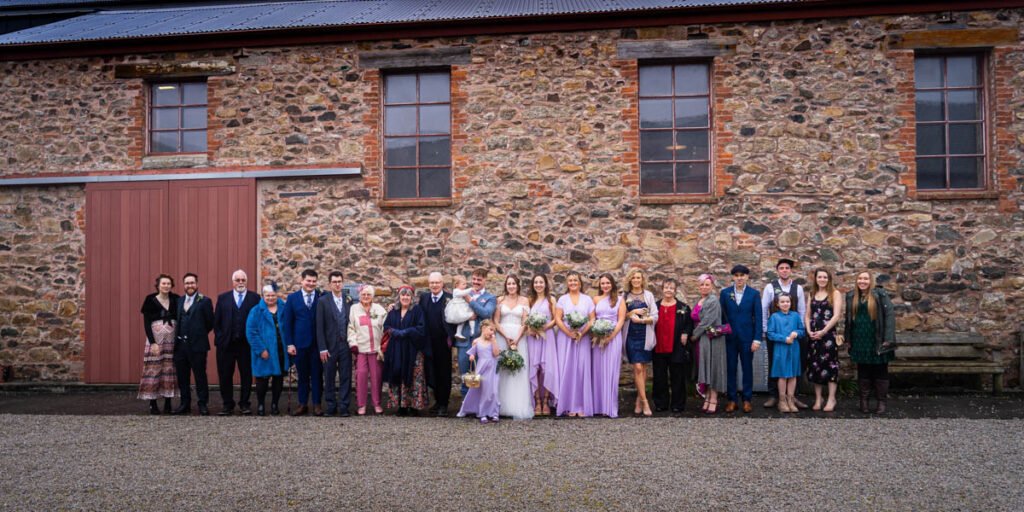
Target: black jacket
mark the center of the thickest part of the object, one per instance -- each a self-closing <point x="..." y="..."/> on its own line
<point x="681" y="354"/>
<point x="194" y="326"/>
<point x="152" y="311"/>
<point x="224" y="317"/>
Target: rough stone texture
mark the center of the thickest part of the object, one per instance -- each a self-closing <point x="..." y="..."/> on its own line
<point x="42" y="254"/>
<point x="813" y="160"/>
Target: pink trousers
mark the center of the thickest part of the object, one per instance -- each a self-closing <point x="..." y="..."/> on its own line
<point x="367" y="365"/>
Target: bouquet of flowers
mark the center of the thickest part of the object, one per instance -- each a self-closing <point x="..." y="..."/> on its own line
<point x="602" y="328"/>
<point x="510" y="360"/>
<point x="576" y="320"/>
<point x="536" y="321"/>
<point x="721" y="330"/>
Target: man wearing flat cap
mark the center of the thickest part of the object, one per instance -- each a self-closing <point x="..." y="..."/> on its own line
<point x="741" y="309"/>
<point x="784" y="284"/>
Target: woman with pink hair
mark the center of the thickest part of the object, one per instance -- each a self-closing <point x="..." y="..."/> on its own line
<point x="712" y="370"/>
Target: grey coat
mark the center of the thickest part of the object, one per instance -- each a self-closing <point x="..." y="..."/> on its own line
<point x="712" y="365"/>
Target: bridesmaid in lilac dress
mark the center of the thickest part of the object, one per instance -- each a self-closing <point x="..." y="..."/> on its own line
<point x="607" y="351"/>
<point x="576" y="394"/>
<point x="544" y="369"/>
<point x="483" y="401"/>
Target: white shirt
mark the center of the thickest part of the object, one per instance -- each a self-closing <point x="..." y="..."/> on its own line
<point x="437" y="297"/>
<point x="339" y="301"/>
<point x="188" y="301"/>
<point x="768" y="296"/>
<point x="307" y="298"/>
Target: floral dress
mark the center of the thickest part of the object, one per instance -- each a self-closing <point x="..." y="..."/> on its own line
<point x="822" y="354"/>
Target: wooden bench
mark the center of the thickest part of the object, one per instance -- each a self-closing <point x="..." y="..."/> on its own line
<point x="945" y="353"/>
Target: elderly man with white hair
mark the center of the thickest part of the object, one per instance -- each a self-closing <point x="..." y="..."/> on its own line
<point x="233" y="307"/>
<point x="439" y="333"/>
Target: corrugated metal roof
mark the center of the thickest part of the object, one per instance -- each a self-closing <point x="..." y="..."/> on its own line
<point x="193" y="20"/>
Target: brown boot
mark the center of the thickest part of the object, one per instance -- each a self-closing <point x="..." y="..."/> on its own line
<point x="882" y="392"/>
<point x="864" y="387"/>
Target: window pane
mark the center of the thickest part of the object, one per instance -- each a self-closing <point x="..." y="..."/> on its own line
<point x="931" y="173"/>
<point x="965" y="173"/>
<point x="692" y="145"/>
<point x="165" y="118"/>
<point x="656" y="179"/>
<point x="691" y="112"/>
<point x="164" y="142"/>
<point x="964" y="139"/>
<point x="195" y="94"/>
<point x="193" y="142"/>
<point x="964" y="106"/>
<point x="194" y="117"/>
<point x="931" y="139"/>
<point x="166" y="94"/>
<point x="655" y="146"/>
<point x="655" y="113"/>
<point x="692" y="179"/>
<point x="435" y="119"/>
<point x="400" y="151"/>
<point x="928" y="72"/>
<point x="962" y="70"/>
<point x="435" y="151"/>
<point x="400" y="89"/>
<point x="655" y="80"/>
<point x="400" y="120"/>
<point x="435" y="182"/>
<point x="434" y="87"/>
<point x="929" y="106"/>
<point x="692" y="79"/>
<point x="401" y="183"/>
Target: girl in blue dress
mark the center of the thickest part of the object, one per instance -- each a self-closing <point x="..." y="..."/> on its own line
<point x="784" y="328"/>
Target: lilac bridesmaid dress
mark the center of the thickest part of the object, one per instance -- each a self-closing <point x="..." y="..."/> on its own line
<point x="483" y="401"/>
<point x="607" y="363"/>
<point x="543" y="353"/>
<point x="576" y="394"/>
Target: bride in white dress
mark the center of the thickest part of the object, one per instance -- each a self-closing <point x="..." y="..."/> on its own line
<point x="514" y="394"/>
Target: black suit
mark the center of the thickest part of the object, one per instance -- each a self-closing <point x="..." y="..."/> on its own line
<point x="233" y="346"/>
<point x="191" y="344"/>
<point x="439" y="332"/>
<point x="332" y="336"/>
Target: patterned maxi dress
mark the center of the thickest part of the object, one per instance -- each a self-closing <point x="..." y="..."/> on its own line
<point x="823" y="354"/>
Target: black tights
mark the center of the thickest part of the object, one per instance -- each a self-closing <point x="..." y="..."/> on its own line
<point x="873" y="371"/>
<point x="276" y="385"/>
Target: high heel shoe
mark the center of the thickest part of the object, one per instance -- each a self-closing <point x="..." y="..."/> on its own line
<point x="647" y="409"/>
<point x="712" y="408"/>
<point x="636" y="407"/>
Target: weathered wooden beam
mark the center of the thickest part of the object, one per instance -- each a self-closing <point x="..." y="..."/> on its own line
<point x="940" y="352"/>
<point x="954" y="38"/>
<point x="189" y="69"/>
<point x="687" y="49"/>
<point x="415" y="58"/>
<point x="932" y="338"/>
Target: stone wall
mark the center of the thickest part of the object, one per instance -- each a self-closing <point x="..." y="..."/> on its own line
<point x="813" y="160"/>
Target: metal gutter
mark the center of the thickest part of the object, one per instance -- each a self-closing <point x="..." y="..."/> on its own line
<point x="119" y="178"/>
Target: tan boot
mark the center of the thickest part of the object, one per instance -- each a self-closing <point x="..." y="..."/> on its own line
<point x="793" y="407"/>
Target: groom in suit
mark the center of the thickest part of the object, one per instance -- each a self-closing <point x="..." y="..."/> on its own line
<point x="332" y="340"/>
<point x="483" y="305"/>
<point x="192" y="344"/>
<point x="229" y="318"/>
<point x="439" y="335"/>
<point x="298" y="328"/>
<point x="741" y="309"/>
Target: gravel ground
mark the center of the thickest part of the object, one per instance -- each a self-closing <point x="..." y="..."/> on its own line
<point x="387" y="463"/>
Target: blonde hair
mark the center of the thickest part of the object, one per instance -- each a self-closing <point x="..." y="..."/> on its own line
<point x="628" y="285"/>
<point x="486" y="323"/>
<point x="870" y="292"/>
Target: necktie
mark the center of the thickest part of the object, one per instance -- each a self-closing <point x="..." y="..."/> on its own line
<point x="238" y="300"/>
<point x="435" y="300"/>
<point x="309" y="300"/>
<point x="188" y="303"/>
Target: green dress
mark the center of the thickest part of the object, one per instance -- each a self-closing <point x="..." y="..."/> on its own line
<point x="862" y="339"/>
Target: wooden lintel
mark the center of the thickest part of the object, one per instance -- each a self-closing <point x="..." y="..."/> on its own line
<point x="686" y="49"/>
<point x="414" y="58"/>
<point x="954" y="38"/>
<point x="190" y="69"/>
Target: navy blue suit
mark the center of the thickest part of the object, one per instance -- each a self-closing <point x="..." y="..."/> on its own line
<point x="745" y="320"/>
<point x="298" y="328"/>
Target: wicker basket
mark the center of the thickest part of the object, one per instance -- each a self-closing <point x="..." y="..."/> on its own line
<point x="472" y="379"/>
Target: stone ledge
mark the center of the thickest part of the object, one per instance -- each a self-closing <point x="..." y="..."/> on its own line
<point x="955" y="195"/>
<point x="160" y="70"/>
<point x="695" y="199"/>
<point x="182" y="161"/>
<point x="415" y="203"/>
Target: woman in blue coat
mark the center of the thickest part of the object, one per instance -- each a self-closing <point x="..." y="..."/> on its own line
<point x="270" y="360"/>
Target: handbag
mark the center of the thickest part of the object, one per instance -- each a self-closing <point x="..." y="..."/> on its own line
<point x="384" y="341"/>
<point x="472" y="379"/>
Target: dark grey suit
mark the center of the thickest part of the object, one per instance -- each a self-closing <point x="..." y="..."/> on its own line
<point x="332" y="336"/>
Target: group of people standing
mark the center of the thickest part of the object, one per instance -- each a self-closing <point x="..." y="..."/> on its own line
<point x="571" y="347"/>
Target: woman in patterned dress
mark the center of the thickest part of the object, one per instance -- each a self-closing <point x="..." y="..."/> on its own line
<point x="158" y="374"/>
<point x="826" y="302"/>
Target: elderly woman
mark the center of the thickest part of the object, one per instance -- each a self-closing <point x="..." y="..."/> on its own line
<point x="158" y="318"/>
<point x="405" y="355"/>
<point x="870" y="325"/>
<point x="712" y="368"/>
<point x="270" y="361"/>
<point x="365" y="331"/>
<point x="641" y="317"/>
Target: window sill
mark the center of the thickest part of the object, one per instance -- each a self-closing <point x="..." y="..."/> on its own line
<point x="952" y="195"/>
<point x="175" y="161"/>
<point x="690" y="199"/>
<point x="415" y="203"/>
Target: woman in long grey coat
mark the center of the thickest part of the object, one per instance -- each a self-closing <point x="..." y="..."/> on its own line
<point x="711" y="367"/>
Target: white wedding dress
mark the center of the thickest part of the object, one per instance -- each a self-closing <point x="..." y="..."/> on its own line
<point x="514" y="389"/>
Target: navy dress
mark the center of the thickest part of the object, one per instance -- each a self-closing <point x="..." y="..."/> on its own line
<point x="636" y="336"/>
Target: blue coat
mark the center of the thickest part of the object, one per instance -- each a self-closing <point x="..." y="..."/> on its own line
<point x="781" y="324"/>
<point x="298" y="323"/>
<point x="745" y="317"/>
<point x="484" y="307"/>
<point x="259" y="328"/>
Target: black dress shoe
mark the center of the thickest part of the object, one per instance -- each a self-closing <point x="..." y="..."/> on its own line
<point x="274" y="411"/>
<point x="245" y="411"/>
<point x="329" y="412"/>
<point x="203" y="411"/>
<point x="402" y="411"/>
<point x="182" y="409"/>
<point x="225" y="412"/>
<point x="260" y="410"/>
<point x="415" y="413"/>
<point x="344" y="413"/>
<point x="153" y="408"/>
<point x="167" y="406"/>
<point x="442" y="412"/>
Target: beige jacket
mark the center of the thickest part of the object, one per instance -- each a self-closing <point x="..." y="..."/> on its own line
<point x="365" y="331"/>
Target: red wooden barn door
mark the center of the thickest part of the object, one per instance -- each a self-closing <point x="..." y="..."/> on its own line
<point x="135" y="231"/>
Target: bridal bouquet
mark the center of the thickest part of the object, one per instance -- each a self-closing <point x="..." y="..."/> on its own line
<point x="536" y="321"/>
<point x="602" y="328"/>
<point x="510" y="360"/>
<point x="576" y="320"/>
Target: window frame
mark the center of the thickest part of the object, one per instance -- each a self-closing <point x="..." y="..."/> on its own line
<point x="180" y="130"/>
<point x="984" y="123"/>
<point x="709" y="128"/>
<point x="417" y="135"/>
